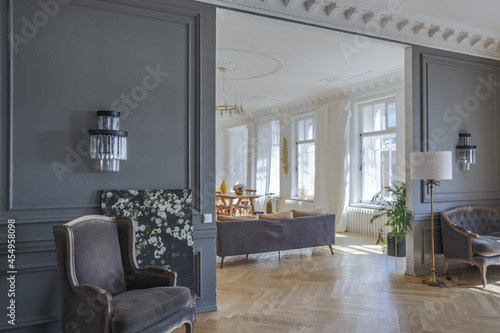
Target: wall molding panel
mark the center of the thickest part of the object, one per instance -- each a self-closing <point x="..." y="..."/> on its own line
<point x="191" y="19"/>
<point x="465" y="111"/>
<point x="450" y="93"/>
<point x="87" y="56"/>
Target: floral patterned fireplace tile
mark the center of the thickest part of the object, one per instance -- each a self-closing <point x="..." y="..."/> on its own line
<point x="163" y="225"/>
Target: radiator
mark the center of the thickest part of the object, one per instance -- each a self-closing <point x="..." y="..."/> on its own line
<point x="358" y="221"/>
<point x="286" y="205"/>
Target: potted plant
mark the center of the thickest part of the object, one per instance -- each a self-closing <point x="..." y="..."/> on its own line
<point x="392" y="204"/>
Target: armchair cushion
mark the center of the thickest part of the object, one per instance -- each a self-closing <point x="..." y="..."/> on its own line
<point x="97" y="250"/>
<point x="486" y="246"/>
<point x="494" y="234"/>
<point x="135" y="310"/>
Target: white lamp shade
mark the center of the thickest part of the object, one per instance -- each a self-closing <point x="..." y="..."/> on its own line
<point x="431" y="165"/>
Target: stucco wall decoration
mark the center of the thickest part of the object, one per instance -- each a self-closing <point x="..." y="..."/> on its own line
<point x="393" y="20"/>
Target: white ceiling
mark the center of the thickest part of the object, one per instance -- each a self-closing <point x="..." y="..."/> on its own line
<point x="273" y="62"/>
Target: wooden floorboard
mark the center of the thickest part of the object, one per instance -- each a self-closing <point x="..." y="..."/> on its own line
<point x="358" y="289"/>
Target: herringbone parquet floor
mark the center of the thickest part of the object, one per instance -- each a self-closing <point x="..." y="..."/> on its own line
<point x="357" y="290"/>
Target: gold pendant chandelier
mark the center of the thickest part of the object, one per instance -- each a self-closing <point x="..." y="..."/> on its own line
<point x="230" y="109"/>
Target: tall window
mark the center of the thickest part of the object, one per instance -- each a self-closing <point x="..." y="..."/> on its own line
<point x="267" y="159"/>
<point x="305" y="156"/>
<point x="274" y="181"/>
<point x="378" y="146"/>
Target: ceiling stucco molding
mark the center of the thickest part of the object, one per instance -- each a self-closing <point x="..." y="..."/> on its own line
<point x="235" y="63"/>
<point x="382" y="83"/>
<point x="377" y="23"/>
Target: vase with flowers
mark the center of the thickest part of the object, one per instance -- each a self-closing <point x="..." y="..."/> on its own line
<point x="239" y="188"/>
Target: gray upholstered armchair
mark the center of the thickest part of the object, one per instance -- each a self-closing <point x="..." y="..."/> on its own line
<point x="104" y="290"/>
<point x="471" y="234"/>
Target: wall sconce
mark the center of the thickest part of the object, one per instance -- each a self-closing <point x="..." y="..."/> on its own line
<point x="466" y="153"/>
<point x="108" y="145"/>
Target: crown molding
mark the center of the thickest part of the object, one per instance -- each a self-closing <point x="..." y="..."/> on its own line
<point x="385" y="23"/>
<point x="385" y="82"/>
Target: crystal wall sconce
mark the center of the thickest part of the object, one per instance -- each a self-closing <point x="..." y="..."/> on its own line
<point x="108" y="145"/>
<point x="466" y="152"/>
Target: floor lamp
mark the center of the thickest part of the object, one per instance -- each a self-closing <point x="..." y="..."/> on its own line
<point x="430" y="166"/>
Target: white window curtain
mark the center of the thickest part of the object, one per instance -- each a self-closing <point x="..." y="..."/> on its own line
<point x="238" y="151"/>
<point x="263" y="140"/>
<point x="345" y="115"/>
<point x="333" y="161"/>
<point x="324" y="157"/>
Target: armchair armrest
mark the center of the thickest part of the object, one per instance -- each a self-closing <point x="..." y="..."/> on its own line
<point x="457" y="241"/>
<point x="89" y="307"/>
<point x="150" y="277"/>
<point x="465" y="232"/>
<point x="93" y="293"/>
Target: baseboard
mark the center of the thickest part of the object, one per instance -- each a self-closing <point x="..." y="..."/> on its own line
<point x="422" y="270"/>
<point x="208" y="308"/>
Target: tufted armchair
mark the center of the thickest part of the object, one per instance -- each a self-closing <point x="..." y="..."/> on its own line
<point x="104" y="290"/>
<point x="471" y="234"/>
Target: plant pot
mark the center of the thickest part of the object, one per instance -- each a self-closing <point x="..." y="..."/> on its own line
<point x="391" y="247"/>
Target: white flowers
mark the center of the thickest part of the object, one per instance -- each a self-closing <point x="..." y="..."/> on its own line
<point x="185" y="233"/>
<point x="158" y="217"/>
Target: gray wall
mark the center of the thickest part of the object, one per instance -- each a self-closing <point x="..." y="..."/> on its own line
<point x="451" y="94"/>
<point x="147" y="59"/>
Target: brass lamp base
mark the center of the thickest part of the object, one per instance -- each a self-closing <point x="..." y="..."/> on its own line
<point x="433" y="281"/>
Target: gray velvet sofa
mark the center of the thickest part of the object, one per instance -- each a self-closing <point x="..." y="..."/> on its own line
<point x="257" y="236"/>
<point x="471" y="234"/>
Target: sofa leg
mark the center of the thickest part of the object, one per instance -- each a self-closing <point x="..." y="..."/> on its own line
<point x="482" y="270"/>
<point x="189" y="327"/>
<point x="279" y="255"/>
<point x="221" y="262"/>
<point x="331" y="249"/>
<point x="445" y="268"/>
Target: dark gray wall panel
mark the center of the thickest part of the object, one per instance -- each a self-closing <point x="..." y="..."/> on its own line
<point x="88" y="59"/>
<point x="92" y="55"/>
<point x="44" y="307"/>
<point x="459" y="99"/>
<point x="446" y="101"/>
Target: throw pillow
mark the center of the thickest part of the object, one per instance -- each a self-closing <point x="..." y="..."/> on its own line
<point x="312" y="212"/>
<point x="277" y="216"/>
<point x="236" y="218"/>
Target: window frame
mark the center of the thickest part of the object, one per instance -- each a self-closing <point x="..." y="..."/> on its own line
<point x="359" y="135"/>
<point x="295" y="183"/>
